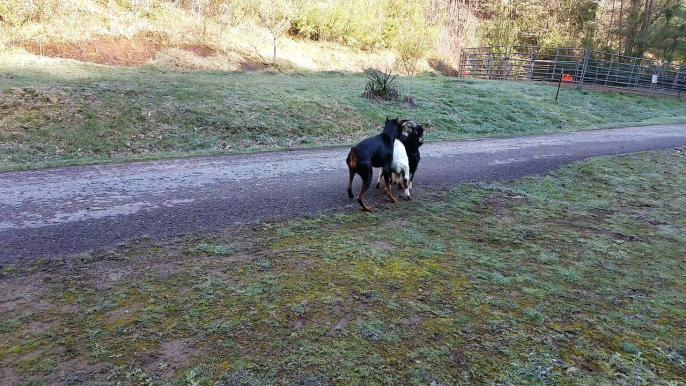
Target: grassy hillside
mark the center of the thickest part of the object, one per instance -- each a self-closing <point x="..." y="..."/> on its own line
<point x="543" y="281"/>
<point x="209" y="35"/>
<point x="57" y="112"/>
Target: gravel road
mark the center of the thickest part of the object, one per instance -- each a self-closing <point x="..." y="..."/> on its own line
<point x="76" y="209"/>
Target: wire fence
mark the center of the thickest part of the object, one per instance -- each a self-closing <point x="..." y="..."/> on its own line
<point x="575" y="66"/>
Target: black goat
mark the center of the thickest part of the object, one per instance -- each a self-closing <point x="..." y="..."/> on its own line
<point x="374" y="152"/>
<point x="412" y="141"/>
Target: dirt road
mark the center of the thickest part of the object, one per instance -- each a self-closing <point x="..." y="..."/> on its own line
<point x="75" y="209"/>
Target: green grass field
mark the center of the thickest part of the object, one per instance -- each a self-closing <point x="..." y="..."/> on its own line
<point x="576" y="278"/>
<point x="59" y="112"/>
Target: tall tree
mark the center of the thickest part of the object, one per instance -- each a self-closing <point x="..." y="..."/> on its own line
<point x="277" y="17"/>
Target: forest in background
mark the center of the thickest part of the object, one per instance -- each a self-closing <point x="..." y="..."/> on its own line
<point x="414" y="30"/>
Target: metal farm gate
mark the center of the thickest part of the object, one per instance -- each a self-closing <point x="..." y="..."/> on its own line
<point x="573" y="65"/>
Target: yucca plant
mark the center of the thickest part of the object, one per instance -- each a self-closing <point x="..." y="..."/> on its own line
<point x="379" y="85"/>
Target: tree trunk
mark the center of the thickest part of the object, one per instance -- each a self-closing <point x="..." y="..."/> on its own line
<point x="632" y="28"/>
<point x="609" y="29"/>
<point x="647" y="13"/>
<point x="274" y="57"/>
<point x="621" y="21"/>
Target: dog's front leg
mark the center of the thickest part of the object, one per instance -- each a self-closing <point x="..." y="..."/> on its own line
<point x="350" y="183"/>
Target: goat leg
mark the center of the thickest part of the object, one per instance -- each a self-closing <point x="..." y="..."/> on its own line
<point x="405" y="184"/>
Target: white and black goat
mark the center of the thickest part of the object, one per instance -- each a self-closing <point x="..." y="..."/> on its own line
<point x="406" y="158"/>
<point x="400" y="168"/>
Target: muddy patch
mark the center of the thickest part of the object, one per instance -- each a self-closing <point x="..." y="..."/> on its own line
<point x="383" y="245"/>
<point x="75" y="371"/>
<point x="15" y="295"/>
<point x="106" y="277"/>
<point x="171" y="357"/>
<point x="122" y="315"/>
<point x="9" y="377"/>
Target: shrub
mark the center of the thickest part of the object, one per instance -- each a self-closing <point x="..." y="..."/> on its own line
<point x="379" y="85"/>
<point x="412" y="44"/>
<point x="17" y="13"/>
<point x="366" y="24"/>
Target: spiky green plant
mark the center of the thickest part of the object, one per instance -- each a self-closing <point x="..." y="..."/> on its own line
<point x="379" y="85"/>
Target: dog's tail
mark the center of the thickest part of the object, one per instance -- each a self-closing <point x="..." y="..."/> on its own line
<point x="352" y="158"/>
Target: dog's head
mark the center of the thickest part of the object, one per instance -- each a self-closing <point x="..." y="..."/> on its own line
<point x="393" y="128"/>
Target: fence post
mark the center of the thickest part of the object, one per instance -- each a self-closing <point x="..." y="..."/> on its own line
<point x="557" y="54"/>
<point x="488" y="63"/>
<point x="506" y="68"/>
<point x="461" y="66"/>
<point x="531" y="63"/>
<point x="595" y="80"/>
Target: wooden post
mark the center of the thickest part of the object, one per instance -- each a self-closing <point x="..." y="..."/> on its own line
<point x="559" y="85"/>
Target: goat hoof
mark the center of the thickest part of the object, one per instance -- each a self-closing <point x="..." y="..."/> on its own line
<point x="350" y="194"/>
<point x="368" y="208"/>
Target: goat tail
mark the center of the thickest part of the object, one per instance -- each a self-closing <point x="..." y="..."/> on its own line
<point x="352" y="158"/>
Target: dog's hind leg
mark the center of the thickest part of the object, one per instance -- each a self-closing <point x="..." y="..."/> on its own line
<point x="350" y="183"/>
<point x="366" y="182"/>
<point x="387" y="179"/>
